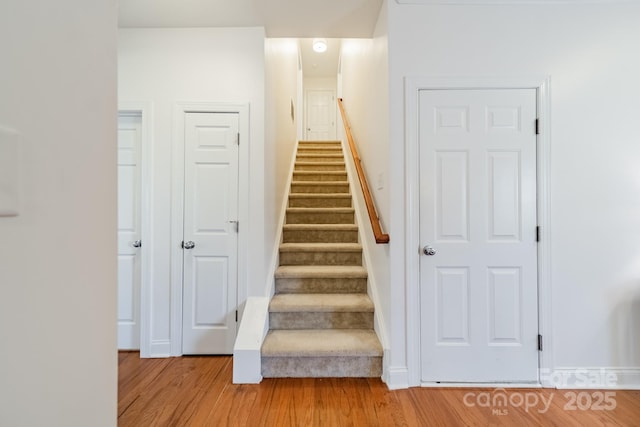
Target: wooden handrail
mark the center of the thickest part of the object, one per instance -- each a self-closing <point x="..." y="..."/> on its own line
<point x="368" y="199"/>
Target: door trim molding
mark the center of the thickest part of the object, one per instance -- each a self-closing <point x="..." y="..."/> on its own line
<point x="145" y="110"/>
<point x="177" y="205"/>
<point x="412" y="215"/>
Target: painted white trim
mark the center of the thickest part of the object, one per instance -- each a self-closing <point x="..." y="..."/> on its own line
<point x="159" y="348"/>
<point x="412" y="262"/>
<point x="397" y="378"/>
<point x="367" y="239"/>
<point x="508" y="2"/>
<point x="247" y="357"/>
<point x="177" y="206"/>
<point x="481" y="385"/>
<point x="275" y="252"/>
<point x="591" y="378"/>
<point x="145" y="110"/>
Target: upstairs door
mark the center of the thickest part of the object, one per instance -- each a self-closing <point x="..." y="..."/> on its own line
<point x="478" y="272"/>
<point x="321" y="115"/>
<point x="129" y="221"/>
<point x="210" y="255"/>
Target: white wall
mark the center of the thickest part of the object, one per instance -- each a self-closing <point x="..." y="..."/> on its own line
<point x="58" y="361"/>
<point x="326" y="83"/>
<point x="165" y="66"/>
<point x="281" y="64"/>
<point x="590" y="52"/>
<point x="364" y="87"/>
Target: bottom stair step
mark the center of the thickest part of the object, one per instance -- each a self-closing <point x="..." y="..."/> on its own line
<point x="321" y="353"/>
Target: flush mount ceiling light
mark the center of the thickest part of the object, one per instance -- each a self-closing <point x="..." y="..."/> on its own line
<point x="319" y="45"/>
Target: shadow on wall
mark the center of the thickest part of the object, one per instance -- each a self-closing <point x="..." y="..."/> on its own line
<point x="625" y="324"/>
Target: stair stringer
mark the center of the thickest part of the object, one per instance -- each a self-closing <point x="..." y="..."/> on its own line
<point x="269" y="289"/>
<point x="367" y="240"/>
<point x="253" y="327"/>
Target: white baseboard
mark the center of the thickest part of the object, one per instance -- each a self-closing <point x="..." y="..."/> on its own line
<point x="247" y="362"/>
<point x="159" y="348"/>
<point x="396" y="377"/>
<point x="481" y="385"/>
<point x="275" y="252"/>
<point x="592" y="378"/>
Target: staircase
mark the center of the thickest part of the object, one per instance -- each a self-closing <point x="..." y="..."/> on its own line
<point x="320" y="318"/>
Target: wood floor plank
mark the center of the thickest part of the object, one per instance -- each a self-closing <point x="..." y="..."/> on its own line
<point x="198" y="391"/>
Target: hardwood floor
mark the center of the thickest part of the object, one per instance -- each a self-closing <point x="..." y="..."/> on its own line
<point x="197" y="391"/>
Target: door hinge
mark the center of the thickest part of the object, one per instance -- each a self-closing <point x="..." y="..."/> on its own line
<point x="537" y="233"/>
<point x="182" y="244"/>
<point x="236" y="315"/>
<point x="238" y="138"/>
<point x="539" y="342"/>
<point x="537" y="126"/>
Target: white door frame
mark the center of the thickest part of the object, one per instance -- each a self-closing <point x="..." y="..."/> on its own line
<point x="177" y="205"/>
<point x="412" y="215"/>
<point x="145" y="110"/>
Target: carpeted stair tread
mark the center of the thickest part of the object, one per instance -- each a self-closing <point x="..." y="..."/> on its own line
<point x="316" y="156"/>
<point x="329" y="272"/>
<point x="319" y="175"/>
<point x="327" y="227"/>
<point x="325" y="183"/>
<point x="328" y="173"/>
<point x="331" y="148"/>
<point x="320" y="247"/>
<point x="320" y="195"/>
<point x="321" y="342"/>
<point x="292" y="303"/>
<point x="321" y="210"/>
<point x="334" y="163"/>
<point x="303" y="144"/>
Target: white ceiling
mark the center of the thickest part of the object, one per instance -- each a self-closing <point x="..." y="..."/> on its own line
<point x="317" y="64"/>
<point x="281" y="18"/>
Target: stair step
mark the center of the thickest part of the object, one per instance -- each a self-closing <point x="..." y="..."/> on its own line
<point x="319" y="200"/>
<point x="320" y="215"/>
<point x="320" y="187"/>
<point x="319" y="150"/>
<point x="324" y="303"/>
<point x="319" y="166"/>
<point x="321" y="311"/>
<point x="309" y="342"/>
<point x="321" y="353"/>
<point x="319" y="144"/>
<point x="328" y="157"/>
<point x="319" y="176"/>
<point x="320" y="279"/>
<point x="319" y="233"/>
<point x="320" y="254"/>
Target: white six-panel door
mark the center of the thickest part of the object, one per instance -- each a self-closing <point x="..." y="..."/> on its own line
<point x="321" y="115"/>
<point x="479" y="318"/>
<point x="129" y="224"/>
<point x="210" y="212"/>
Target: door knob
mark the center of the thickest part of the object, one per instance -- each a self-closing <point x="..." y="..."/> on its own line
<point x="428" y="250"/>
<point x="137" y="244"/>
<point x="188" y="245"/>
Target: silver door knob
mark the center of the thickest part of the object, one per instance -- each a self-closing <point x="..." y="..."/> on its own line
<point x="428" y="250"/>
<point x="137" y="244"/>
<point x="189" y="245"/>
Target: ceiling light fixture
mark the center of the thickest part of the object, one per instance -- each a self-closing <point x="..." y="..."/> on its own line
<point x="319" y="45"/>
